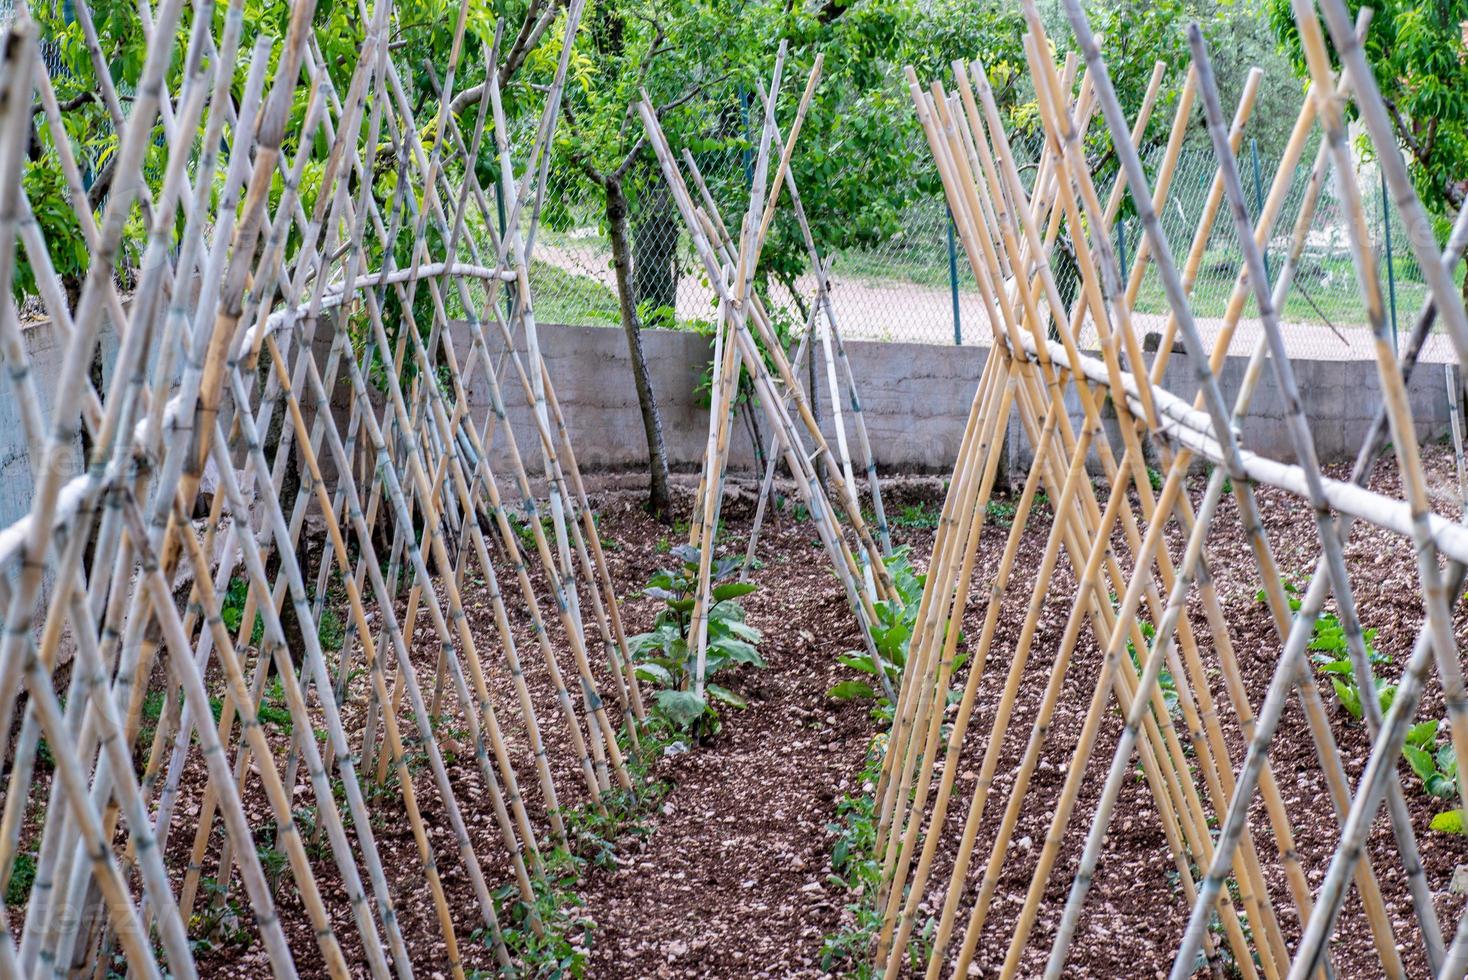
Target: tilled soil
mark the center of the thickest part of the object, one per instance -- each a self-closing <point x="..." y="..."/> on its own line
<point x="729" y="876"/>
<point x="731" y="881"/>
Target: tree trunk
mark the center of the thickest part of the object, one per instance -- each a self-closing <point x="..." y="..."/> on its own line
<point x="659" y="501"/>
<point x="655" y="252"/>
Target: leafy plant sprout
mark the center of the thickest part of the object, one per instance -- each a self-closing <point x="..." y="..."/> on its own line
<point x="663" y="654"/>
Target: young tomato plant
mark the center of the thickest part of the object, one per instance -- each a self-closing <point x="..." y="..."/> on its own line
<point x="666" y="656"/>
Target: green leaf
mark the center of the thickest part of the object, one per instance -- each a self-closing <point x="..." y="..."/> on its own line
<point x="740" y="629"/>
<point x="1447" y="761"/>
<point x="1422" y="734"/>
<point x="1449" y="822"/>
<point x="728" y="612"/>
<point x="1349" y="697"/>
<point x="737" y="651"/>
<point x="1420" y="761"/>
<point x="655" y="673"/>
<point x="857" y="661"/>
<point x="851" y="690"/>
<point x="727" y="696"/>
<point x="1439" y="785"/>
<point x="733" y="590"/>
<point x="682" y="708"/>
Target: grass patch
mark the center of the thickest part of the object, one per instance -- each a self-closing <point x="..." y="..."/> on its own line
<point x="568" y="297"/>
<point x="22" y="877"/>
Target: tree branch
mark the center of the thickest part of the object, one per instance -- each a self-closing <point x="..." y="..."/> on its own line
<point x="537" y="21"/>
<point x="580" y="155"/>
<point x="71" y="104"/>
<point x="1452" y="191"/>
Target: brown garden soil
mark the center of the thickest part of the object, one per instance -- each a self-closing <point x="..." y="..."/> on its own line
<point x="727" y="875"/>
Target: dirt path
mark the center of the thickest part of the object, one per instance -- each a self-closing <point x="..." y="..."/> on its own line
<point x="729" y="881"/>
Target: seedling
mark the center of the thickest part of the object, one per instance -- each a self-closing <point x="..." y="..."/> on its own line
<point x="1436" y="764"/>
<point x="1329" y="652"/>
<point x="919" y="516"/>
<point x="892" y="633"/>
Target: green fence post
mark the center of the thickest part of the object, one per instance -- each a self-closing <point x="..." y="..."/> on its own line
<point x="499" y="206"/>
<point x="1121" y="246"/>
<point x="1391" y="272"/>
<point x="953" y="282"/>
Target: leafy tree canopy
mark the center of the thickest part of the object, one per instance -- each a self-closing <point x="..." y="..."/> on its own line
<point x="1418" y="53"/>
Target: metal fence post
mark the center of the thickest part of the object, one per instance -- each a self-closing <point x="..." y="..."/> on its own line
<point x="747" y="154"/>
<point x="953" y="282"/>
<point x="1121" y="246"/>
<point x="1391" y="272"/>
<point x="499" y="206"/>
<point x="1259" y="195"/>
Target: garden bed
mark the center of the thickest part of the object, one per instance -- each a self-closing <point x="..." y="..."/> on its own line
<point x="726" y="869"/>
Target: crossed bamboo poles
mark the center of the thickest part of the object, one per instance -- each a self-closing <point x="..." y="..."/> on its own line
<point x="744" y="338"/>
<point x="417" y="452"/>
<point x="999" y="223"/>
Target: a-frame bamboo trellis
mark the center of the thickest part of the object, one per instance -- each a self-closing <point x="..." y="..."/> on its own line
<point x="1224" y="817"/>
<point x="731" y="264"/>
<point x="284" y="326"/>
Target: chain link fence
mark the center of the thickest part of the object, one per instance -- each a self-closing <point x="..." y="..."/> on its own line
<point x="916" y="285"/>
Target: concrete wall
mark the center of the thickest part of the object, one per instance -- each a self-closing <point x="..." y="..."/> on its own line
<point x="45" y="350"/>
<point x="916" y="399"/>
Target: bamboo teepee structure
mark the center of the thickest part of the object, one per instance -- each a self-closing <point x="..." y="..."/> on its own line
<point x="1251" y="898"/>
<point x="350" y="336"/>
<point x="745" y="339"/>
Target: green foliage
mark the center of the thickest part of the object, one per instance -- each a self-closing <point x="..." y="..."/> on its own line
<point x="665" y="656"/>
<point x="525" y="530"/>
<point x="422" y="32"/>
<point x="1166" y="683"/>
<point x="857" y="871"/>
<point x="553" y="952"/>
<point x="1001" y="512"/>
<point x="273" y="710"/>
<point x="45" y="187"/>
<point x="330" y="631"/>
<point x="273" y="862"/>
<point x="232" y="609"/>
<point x="593" y="836"/>
<point x="920" y="516"/>
<point x="220" y="922"/>
<point x="892" y="633"/>
<point x="1417" y="52"/>
<point x="22" y="877"/>
<point x="1331" y="656"/>
<point x="1436" y="764"/>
